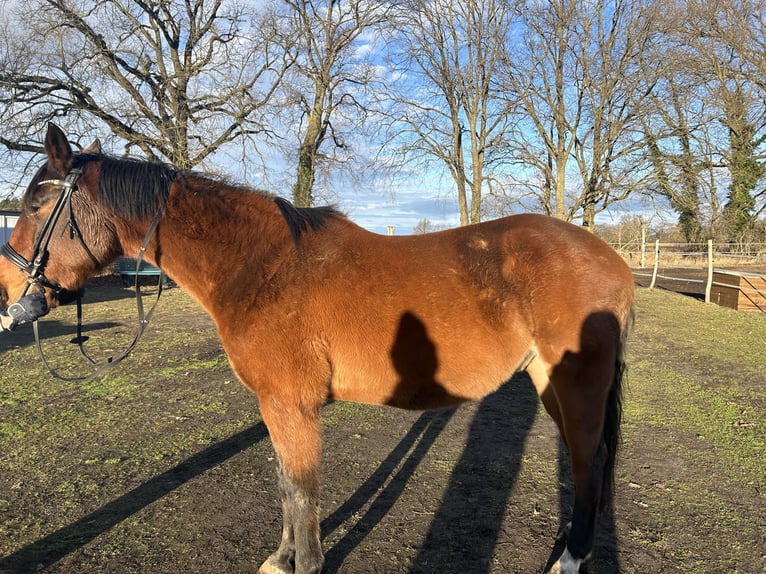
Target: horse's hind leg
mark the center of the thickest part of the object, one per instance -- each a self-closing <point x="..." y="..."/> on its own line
<point x="296" y="439"/>
<point x="579" y="397"/>
<point x="587" y="456"/>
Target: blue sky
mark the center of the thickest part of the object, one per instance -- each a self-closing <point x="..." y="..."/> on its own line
<point x="404" y="210"/>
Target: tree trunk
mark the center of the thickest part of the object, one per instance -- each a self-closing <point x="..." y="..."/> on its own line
<point x="561" y="181"/>
<point x="307" y="153"/>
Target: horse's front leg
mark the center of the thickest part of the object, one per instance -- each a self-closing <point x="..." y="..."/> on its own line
<point x="296" y="439"/>
<point x="283" y="560"/>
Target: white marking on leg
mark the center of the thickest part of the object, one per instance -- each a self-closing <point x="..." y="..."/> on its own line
<point x="566" y="564"/>
<point x="269" y="567"/>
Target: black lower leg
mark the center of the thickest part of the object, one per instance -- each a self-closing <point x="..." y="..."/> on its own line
<point x="302" y="505"/>
<point x="284" y="557"/>
<point x="586" y="509"/>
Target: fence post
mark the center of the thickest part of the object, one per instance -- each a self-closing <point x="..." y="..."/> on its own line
<point x="709" y="285"/>
<point x="656" y="263"/>
<point x="643" y="246"/>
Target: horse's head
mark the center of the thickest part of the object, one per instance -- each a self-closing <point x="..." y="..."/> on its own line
<point x="62" y="235"/>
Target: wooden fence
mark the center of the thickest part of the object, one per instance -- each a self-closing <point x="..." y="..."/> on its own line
<point x="733" y="275"/>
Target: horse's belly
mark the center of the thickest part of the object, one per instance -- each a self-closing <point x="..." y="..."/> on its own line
<point x="423" y="359"/>
<point x="423" y="385"/>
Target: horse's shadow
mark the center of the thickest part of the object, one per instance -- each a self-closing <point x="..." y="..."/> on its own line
<point x="474" y="504"/>
<point x="49" y="549"/>
<point x="467" y="524"/>
<point x="23" y="336"/>
<point x="417" y="442"/>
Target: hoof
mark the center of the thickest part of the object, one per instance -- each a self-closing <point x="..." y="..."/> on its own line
<point x="272" y="567"/>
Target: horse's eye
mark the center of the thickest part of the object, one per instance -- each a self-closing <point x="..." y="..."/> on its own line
<point x="36" y="203"/>
<point x="39" y="198"/>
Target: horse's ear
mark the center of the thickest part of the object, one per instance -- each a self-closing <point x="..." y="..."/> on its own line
<point x="94" y="148"/>
<point x="58" y="149"/>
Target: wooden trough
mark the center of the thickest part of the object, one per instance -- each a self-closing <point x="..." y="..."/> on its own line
<point x="739" y="290"/>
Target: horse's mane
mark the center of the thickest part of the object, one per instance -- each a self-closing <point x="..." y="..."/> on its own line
<point x="135" y="189"/>
<point x="299" y="219"/>
<point x="131" y="188"/>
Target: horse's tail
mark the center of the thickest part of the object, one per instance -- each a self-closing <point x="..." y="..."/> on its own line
<point x="611" y="434"/>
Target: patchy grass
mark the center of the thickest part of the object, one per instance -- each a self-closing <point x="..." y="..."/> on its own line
<point x="695" y="428"/>
<point x="703" y="375"/>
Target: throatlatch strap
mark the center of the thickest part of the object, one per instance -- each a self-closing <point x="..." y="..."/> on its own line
<point x="143" y="318"/>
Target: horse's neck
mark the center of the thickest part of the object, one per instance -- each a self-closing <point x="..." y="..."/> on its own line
<point x="212" y="243"/>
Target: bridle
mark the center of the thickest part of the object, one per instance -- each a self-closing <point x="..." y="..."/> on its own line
<point x="34" y="269"/>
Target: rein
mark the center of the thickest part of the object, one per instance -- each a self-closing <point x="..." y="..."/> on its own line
<point x="35" y="275"/>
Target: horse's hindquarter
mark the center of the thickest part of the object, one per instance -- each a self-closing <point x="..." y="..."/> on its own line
<point x="580" y="288"/>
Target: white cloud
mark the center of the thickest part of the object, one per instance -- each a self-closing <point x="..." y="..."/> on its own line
<point x="403" y="211"/>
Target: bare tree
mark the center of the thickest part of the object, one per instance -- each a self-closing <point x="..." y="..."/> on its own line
<point x="426" y="226"/>
<point x="581" y="81"/>
<point x="448" y="107"/>
<point x="551" y="103"/>
<point x="177" y="80"/>
<point x="744" y="29"/>
<point x="330" y="76"/>
<point x="617" y="86"/>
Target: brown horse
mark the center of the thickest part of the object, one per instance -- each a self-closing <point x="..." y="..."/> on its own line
<point x="310" y="307"/>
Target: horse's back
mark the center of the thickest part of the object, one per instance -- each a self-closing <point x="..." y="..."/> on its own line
<point x="539" y="262"/>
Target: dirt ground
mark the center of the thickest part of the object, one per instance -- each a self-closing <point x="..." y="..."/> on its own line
<point x="164" y="465"/>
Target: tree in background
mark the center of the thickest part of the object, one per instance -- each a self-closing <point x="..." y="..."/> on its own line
<point x="176" y="80"/>
<point x="539" y="74"/>
<point x="709" y="120"/>
<point x="10" y="204"/>
<point x="426" y="226"/>
<point x="677" y="171"/>
<point x="581" y="81"/>
<point x="617" y="86"/>
<point x="447" y="105"/>
<point x="744" y="168"/>
<point x="330" y="76"/>
<point x="737" y="31"/>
